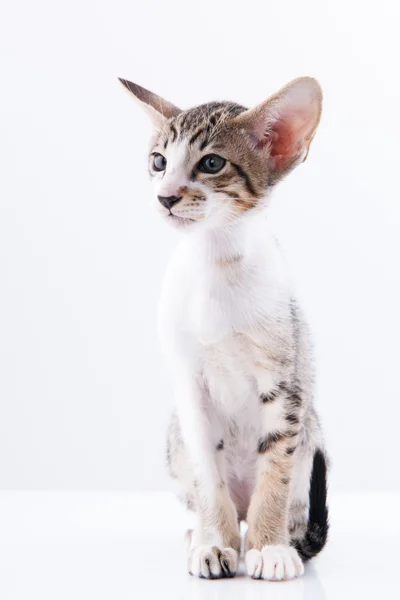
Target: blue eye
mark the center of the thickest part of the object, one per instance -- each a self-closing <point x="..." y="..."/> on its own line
<point x="212" y="163"/>
<point x="159" y="162"/>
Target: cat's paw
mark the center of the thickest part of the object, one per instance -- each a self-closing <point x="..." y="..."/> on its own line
<point x="274" y="563"/>
<point x="209" y="562"/>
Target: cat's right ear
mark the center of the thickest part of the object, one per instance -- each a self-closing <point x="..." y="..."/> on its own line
<point x="158" y="109"/>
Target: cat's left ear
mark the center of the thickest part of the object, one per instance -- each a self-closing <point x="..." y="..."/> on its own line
<point x="284" y="126"/>
<point x="156" y="107"/>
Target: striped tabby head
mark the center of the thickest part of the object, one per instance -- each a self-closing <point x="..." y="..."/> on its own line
<point x="216" y="162"/>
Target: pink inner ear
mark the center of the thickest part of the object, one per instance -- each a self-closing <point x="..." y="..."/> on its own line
<point x="289" y="134"/>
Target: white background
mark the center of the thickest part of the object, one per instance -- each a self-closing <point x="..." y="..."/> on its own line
<point x="84" y="398"/>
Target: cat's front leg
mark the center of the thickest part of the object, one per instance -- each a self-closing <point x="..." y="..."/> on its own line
<point x="268" y="552"/>
<point x="214" y="544"/>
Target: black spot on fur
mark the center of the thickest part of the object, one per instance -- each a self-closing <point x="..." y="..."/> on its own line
<point x="293" y="395"/>
<point x="264" y="444"/>
<point x="270" y="397"/>
<point x="220" y="445"/>
<point x="293" y="418"/>
<point x="295" y="400"/>
<point x="318" y="524"/>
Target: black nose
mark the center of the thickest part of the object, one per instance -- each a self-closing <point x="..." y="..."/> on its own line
<point x="169" y="201"/>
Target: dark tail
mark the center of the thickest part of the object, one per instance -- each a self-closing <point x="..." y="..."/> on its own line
<point x="318" y="525"/>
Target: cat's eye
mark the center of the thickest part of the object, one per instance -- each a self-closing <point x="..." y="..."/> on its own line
<point x="212" y="163"/>
<point x="159" y="162"/>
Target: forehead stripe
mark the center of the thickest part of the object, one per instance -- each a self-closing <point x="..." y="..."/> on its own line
<point x="204" y="143"/>
<point x="182" y="120"/>
<point x="196" y="135"/>
<point x="174" y="132"/>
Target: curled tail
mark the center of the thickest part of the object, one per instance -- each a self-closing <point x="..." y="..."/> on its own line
<point x="318" y="525"/>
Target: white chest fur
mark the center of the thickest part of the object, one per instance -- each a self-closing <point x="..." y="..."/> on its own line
<point x="222" y="300"/>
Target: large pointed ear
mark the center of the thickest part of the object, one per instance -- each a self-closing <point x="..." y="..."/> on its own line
<point x="283" y="126"/>
<point x="156" y="107"/>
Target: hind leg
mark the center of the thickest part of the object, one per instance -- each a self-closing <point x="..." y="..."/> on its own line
<point x="214" y="543"/>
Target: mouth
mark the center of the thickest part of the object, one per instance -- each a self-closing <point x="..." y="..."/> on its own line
<point x="179" y="221"/>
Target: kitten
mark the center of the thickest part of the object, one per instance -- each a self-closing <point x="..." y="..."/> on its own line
<point x="245" y="441"/>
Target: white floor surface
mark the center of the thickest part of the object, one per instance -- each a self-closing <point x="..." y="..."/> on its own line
<point x="102" y="545"/>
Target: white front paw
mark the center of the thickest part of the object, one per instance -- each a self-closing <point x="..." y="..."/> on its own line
<point x="210" y="562"/>
<point x="274" y="563"/>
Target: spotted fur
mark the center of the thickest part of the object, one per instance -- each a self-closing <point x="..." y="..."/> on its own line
<point x="245" y="442"/>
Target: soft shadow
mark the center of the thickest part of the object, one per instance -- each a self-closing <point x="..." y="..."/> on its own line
<point x="313" y="590"/>
<point x="242" y="587"/>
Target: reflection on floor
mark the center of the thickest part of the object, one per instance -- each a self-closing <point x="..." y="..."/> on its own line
<point x="79" y="545"/>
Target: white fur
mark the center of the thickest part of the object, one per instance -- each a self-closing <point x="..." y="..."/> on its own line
<point x="204" y="560"/>
<point x="202" y="310"/>
<point x="274" y="563"/>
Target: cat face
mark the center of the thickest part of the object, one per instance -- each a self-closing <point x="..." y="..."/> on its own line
<point x="201" y="169"/>
<point x="217" y="162"/>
